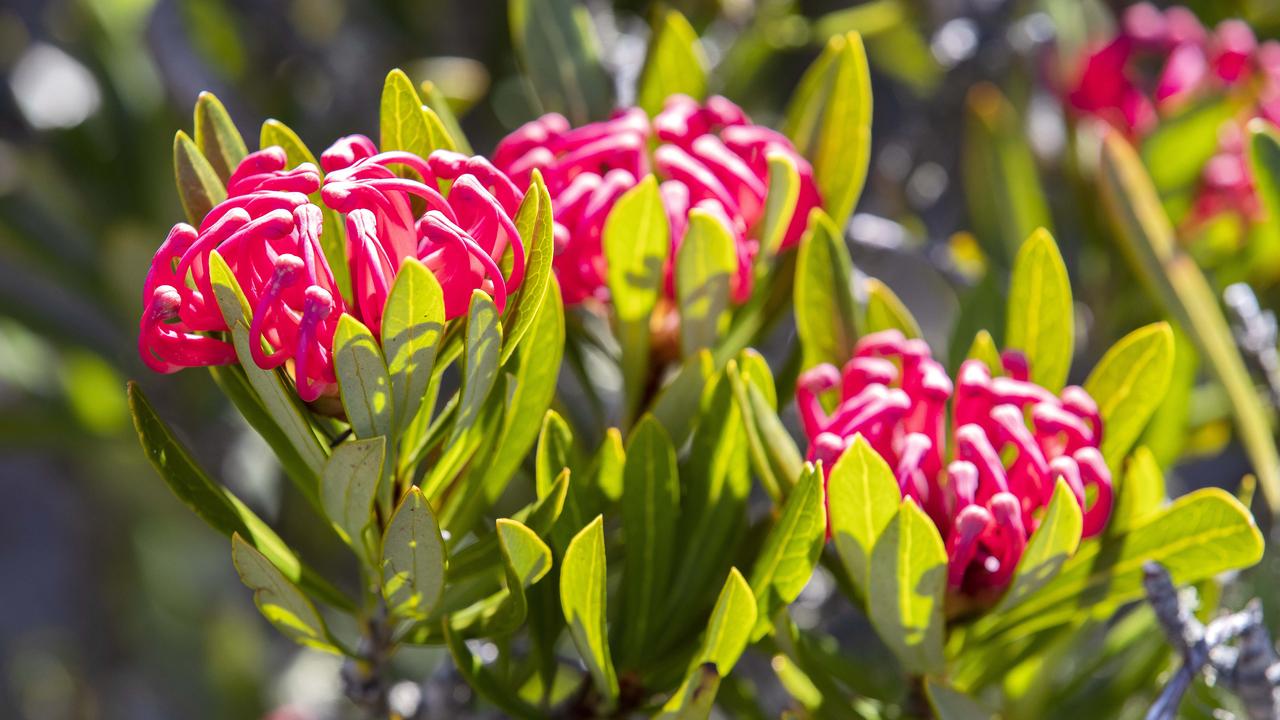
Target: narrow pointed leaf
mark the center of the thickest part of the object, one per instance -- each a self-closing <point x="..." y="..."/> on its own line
<point x="908" y="583"/>
<point x="650" y="513"/>
<point x="198" y="185"/>
<point x="826" y="314"/>
<point x="412" y="324"/>
<point x="480" y="368"/>
<point x="363" y="379"/>
<point x="348" y="487"/>
<point x="278" y="599"/>
<point x="728" y="632"/>
<point x="780" y="202"/>
<point x="1128" y="384"/>
<point x="217" y="137"/>
<point x="403" y="122"/>
<point x="862" y="497"/>
<point x="559" y="54"/>
<point x="440" y="105"/>
<point x="675" y="64"/>
<point x="582" y="598"/>
<point x="886" y="312"/>
<point x="790" y="551"/>
<point x="1040" y="315"/>
<point x="1051" y="545"/>
<point x="706" y="264"/>
<point x="413" y="559"/>
<point x="534" y="223"/>
<point x="829" y="119"/>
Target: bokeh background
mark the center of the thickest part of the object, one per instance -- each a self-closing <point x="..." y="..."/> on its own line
<point x="115" y="602"/>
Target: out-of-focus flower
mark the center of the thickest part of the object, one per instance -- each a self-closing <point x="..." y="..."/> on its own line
<point x="1011" y="441"/>
<point x="268" y="231"/>
<point x="707" y="156"/>
<point x="1194" y="63"/>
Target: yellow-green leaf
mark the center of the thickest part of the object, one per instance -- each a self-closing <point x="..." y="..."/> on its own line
<point x="217" y="136"/>
<point x="413" y="559"/>
<point x="280" y="601"/>
<point x="1040" y="319"/>
<point x="826" y="313"/>
<point x="1128" y="384"/>
<point x="791" y="549"/>
<point x="582" y="598"/>
<point x="862" y="497"/>
<point x="675" y="64"/>
<point x="412" y="323"/>
<point x="1051" y="545"/>
<point x="198" y="185"/>
<point x="706" y="264"/>
<point x="907" y="587"/>
<point x="886" y="312"/>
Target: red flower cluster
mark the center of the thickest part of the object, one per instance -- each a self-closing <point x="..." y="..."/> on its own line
<point x="268" y="231"/>
<point x="1194" y="63"/>
<point x="1002" y="470"/>
<point x="708" y="156"/>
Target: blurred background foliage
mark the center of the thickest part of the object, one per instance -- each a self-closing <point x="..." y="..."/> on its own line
<point x="115" y="603"/>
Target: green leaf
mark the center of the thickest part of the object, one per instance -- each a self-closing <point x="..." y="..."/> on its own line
<point x="537" y="368"/>
<point x="650" y="513"/>
<point x="413" y="559"/>
<point x="790" y="551"/>
<point x="304" y="455"/>
<point x="480" y="368"/>
<point x="716" y="482"/>
<point x="555" y="446"/>
<point x="676" y="406"/>
<point x="412" y="323"/>
<point x="348" y="486"/>
<point x="1051" y="545"/>
<point x="363" y="379"/>
<point x="829" y="120"/>
<point x="213" y="503"/>
<point x="1176" y="151"/>
<point x="403" y="119"/>
<point x="582" y="598"/>
<point x="559" y="55"/>
<point x="780" y="201"/>
<point x="998" y="158"/>
<point x="862" y="497"/>
<point x="637" y="239"/>
<point x="217" y="137"/>
<point x="1140" y="494"/>
<point x="526" y="560"/>
<point x="280" y="601"/>
<point x="1199" y="535"/>
<point x="886" y="312"/>
<point x="438" y="103"/>
<point x="774" y="455"/>
<point x="1128" y="384"/>
<point x="333" y="240"/>
<point x="728" y="632"/>
<point x="534" y="223"/>
<point x="826" y="313"/>
<point x="951" y="704"/>
<point x="984" y="348"/>
<point x="1040" y="315"/>
<point x="675" y="64"/>
<point x="1149" y="239"/>
<point x="907" y="588"/>
<point x="610" y="463"/>
<point x="539" y="516"/>
<point x="198" y="185"/>
<point x="706" y="263"/>
<point x="696" y="696"/>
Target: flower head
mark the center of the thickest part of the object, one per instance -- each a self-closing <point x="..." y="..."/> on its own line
<point x="983" y="477"/>
<point x="268" y="231"/>
<point x="707" y="156"/>
<point x="1193" y="63"/>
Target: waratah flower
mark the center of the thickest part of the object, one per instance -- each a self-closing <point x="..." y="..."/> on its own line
<point x="984" y="477"/>
<point x="1194" y="64"/>
<point x="268" y="230"/>
<point x="707" y="156"/>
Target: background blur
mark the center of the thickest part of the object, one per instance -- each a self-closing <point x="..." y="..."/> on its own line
<point x="115" y="602"/>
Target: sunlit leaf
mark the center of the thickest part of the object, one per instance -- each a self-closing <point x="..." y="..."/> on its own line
<point x="675" y="64"/>
<point x="706" y="264"/>
<point x="780" y="202"/>
<point x="908" y="582"/>
<point x="790" y="551"/>
<point x="413" y="559"/>
<point x="829" y="120"/>
<point x="559" y="54"/>
<point x="412" y="323"/>
<point x="1051" y="545"/>
<point x="1128" y="384"/>
<point x="278" y="599"/>
<point x="198" y="185"/>
<point x="1040" y="316"/>
<point x="348" y="486"/>
<point x="534" y="223"/>
<point x="582" y="597"/>
<point x="862" y="497"/>
<point x="1140" y="493"/>
<point x="826" y="313"/>
<point x="217" y="137"/>
<point x="886" y="312"/>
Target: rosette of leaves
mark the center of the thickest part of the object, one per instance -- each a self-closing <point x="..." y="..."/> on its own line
<point x="933" y="656"/>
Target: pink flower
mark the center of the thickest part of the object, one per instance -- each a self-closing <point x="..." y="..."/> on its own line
<point x="1195" y="63"/>
<point x="1011" y="441"/>
<point x="268" y="230"/>
<point x="708" y="156"/>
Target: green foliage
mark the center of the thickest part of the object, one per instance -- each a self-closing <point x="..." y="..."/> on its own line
<point x="826" y="314"/>
<point x="905" y="593"/>
<point x="413" y="559"/>
<point x="280" y="601"/>
<point x="863" y="498"/>
<point x="1040" y="316"/>
<point x="791" y="549"/>
<point x="706" y="263"/>
<point x="675" y="64"/>
<point x="582" y="595"/>
<point x="829" y="120"/>
<point x="1128" y="384"/>
<point x="559" y="53"/>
